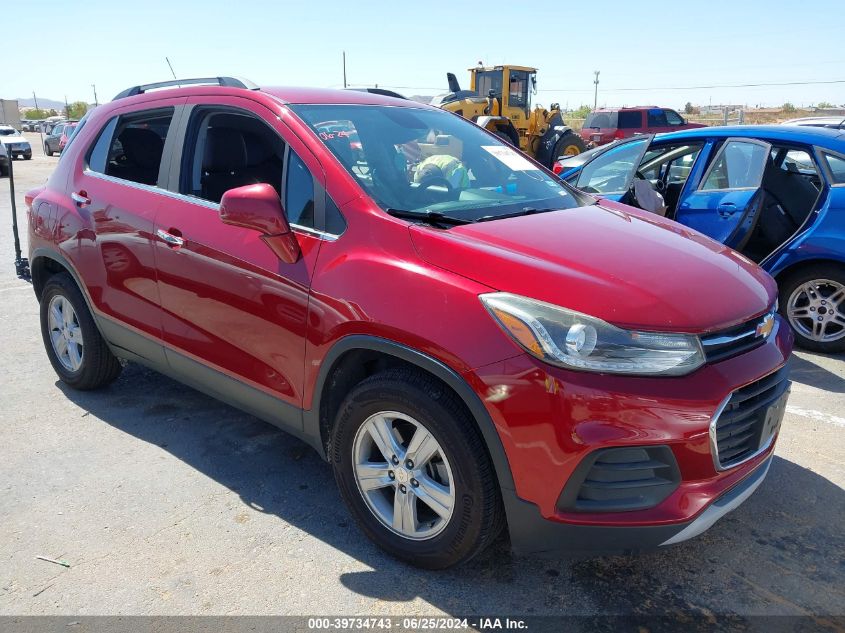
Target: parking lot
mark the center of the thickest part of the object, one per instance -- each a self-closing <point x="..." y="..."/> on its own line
<point x="164" y="501"/>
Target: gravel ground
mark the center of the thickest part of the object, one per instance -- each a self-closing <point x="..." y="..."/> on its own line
<point x="164" y="501"/>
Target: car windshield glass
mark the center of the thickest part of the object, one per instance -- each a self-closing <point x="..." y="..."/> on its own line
<point x="429" y="161"/>
<point x="8" y="132"/>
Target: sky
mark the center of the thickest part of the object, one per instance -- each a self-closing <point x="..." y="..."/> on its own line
<point x="652" y="53"/>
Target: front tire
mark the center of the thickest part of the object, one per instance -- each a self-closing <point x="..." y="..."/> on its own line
<point x="413" y="469"/>
<point x="47" y="150"/>
<point x="812" y="300"/>
<point x="570" y="144"/>
<point x="77" y="351"/>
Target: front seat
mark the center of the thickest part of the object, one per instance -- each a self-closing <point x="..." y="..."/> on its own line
<point x="224" y="164"/>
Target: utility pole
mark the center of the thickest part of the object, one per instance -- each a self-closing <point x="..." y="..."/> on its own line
<point x="96" y="103"/>
<point x="344" y="69"/>
<point x="67" y="108"/>
<point x="40" y="130"/>
<point x="596" y="94"/>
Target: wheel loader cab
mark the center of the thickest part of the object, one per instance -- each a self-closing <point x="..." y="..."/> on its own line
<point x="519" y="82"/>
<point x="499" y="100"/>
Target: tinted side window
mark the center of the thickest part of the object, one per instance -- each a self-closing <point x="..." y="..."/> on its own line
<point x="299" y="193"/>
<point x="137" y="144"/>
<point x="739" y="165"/>
<point x="657" y="118"/>
<point x="673" y="118"/>
<point x="630" y="119"/>
<point x="837" y="168"/>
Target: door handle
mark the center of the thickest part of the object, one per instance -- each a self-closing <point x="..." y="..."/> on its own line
<point x="171" y="240"/>
<point x="80" y="198"/>
<point x="726" y="209"/>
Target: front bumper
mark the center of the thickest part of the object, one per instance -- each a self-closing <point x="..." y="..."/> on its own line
<point x="550" y="420"/>
<point x="531" y="533"/>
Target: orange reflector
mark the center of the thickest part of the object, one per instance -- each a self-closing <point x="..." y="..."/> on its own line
<point x="520" y="332"/>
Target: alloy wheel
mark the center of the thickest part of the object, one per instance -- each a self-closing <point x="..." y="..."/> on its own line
<point x="65" y="333"/>
<point x="403" y="475"/>
<point x="816" y="310"/>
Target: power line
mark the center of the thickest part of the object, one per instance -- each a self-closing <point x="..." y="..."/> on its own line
<point x="757" y="85"/>
<point x="749" y="85"/>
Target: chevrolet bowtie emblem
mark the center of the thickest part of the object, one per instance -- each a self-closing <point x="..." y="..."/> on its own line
<point x="764" y="327"/>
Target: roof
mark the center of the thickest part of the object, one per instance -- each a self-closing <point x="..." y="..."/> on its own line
<point x="294" y="95"/>
<point x="827" y="137"/>
<point x="642" y="107"/>
<point x="284" y="94"/>
<point x="529" y="69"/>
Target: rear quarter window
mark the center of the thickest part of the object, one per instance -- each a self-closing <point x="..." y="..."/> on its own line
<point x="599" y="120"/>
<point x="836" y="164"/>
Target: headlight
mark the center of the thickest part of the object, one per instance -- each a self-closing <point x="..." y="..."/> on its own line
<point x="577" y="341"/>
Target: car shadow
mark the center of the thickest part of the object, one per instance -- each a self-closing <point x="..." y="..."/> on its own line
<point x="782" y="552"/>
<point x="803" y="369"/>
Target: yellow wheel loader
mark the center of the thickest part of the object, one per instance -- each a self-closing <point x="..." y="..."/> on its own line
<point x="499" y="100"/>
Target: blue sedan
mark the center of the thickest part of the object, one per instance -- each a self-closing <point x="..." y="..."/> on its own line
<point x="776" y="194"/>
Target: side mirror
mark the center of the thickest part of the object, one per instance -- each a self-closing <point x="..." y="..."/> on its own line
<point x="258" y="207"/>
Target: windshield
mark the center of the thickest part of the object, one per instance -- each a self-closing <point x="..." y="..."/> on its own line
<point x="430" y="161"/>
<point x="8" y="132"/>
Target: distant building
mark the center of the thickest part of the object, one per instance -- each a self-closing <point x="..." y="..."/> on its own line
<point x="9" y="113"/>
<point x="719" y="109"/>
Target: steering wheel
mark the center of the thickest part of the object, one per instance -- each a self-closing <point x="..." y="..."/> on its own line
<point x="427" y="182"/>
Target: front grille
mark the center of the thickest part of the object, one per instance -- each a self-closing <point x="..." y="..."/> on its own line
<point x="735" y="340"/>
<point x="749" y="420"/>
<point x="621" y="479"/>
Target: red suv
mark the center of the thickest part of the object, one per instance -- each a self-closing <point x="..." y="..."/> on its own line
<point x="609" y="124"/>
<point x="471" y="343"/>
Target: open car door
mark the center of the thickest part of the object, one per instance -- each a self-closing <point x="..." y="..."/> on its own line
<point x="727" y="202"/>
<point x="611" y="173"/>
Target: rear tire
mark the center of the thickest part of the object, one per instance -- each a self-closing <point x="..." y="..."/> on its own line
<point x="77" y="351"/>
<point x="812" y="300"/>
<point x="570" y="144"/>
<point x="406" y="403"/>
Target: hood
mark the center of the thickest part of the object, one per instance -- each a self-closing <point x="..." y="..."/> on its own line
<point x="13" y="140"/>
<point x="628" y="267"/>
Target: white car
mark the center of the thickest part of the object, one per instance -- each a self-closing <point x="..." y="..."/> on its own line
<point x="835" y="122"/>
<point x="4" y="161"/>
<point x="15" y="143"/>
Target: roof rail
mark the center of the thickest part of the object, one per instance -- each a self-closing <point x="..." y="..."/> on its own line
<point x="231" y="82"/>
<point x="380" y="91"/>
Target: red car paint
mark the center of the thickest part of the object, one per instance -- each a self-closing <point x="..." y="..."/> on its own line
<point x="605" y="125"/>
<point x="225" y="300"/>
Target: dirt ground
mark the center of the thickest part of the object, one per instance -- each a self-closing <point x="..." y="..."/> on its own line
<point x="164" y="501"/>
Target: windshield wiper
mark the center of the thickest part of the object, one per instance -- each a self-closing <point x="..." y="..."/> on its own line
<point x="515" y="214"/>
<point x="432" y="217"/>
